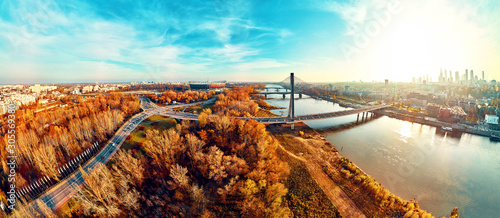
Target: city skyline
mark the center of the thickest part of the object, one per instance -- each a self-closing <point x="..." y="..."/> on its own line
<point x="58" y="42"/>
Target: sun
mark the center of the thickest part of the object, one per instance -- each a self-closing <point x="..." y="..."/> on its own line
<point x="409" y="53"/>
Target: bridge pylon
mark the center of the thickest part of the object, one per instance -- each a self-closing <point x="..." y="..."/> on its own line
<point x="291" y="108"/>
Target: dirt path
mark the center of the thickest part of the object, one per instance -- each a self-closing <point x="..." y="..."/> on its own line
<point x="345" y="206"/>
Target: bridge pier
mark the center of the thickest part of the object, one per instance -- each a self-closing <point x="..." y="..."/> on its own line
<point x="357" y="119"/>
<point x="300" y="95"/>
<point x="363" y="117"/>
<point x="265" y="95"/>
<point x="284" y="96"/>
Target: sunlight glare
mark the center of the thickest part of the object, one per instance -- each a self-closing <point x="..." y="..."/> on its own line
<point x="409" y="53"/>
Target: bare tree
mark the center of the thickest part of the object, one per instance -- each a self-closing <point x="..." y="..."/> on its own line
<point x="217" y="170"/>
<point x="199" y="199"/>
<point x="178" y="173"/>
<point x="194" y="145"/>
<point x="45" y="160"/>
<point x="129" y="166"/>
<point x="98" y="194"/>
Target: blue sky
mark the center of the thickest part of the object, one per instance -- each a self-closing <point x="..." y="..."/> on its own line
<point x="114" y="41"/>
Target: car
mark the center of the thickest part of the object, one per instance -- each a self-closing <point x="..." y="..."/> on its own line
<point x="102" y="157"/>
<point x="112" y="144"/>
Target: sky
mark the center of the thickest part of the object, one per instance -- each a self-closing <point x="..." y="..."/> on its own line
<point x="261" y="40"/>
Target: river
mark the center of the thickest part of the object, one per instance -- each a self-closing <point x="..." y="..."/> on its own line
<point x="439" y="170"/>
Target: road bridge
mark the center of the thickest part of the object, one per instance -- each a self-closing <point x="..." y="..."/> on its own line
<point x="365" y="111"/>
<point x="55" y="195"/>
<point x="274" y="93"/>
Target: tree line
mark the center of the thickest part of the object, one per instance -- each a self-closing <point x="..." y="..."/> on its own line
<point x="219" y="166"/>
<point x="185" y="97"/>
<point x="49" y="139"/>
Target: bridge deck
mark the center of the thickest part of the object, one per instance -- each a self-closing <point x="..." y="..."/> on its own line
<point x="270" y="93"/>
<point x="273" y="120"/>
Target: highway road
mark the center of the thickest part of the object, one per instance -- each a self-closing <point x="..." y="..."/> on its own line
<point x="62" y="192"/>
<point x="56" y="196"/>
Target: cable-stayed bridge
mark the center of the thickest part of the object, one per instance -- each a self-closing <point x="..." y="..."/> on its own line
<point x="55" y="194"/>
<point x="291" y="118"/>
<point x="287" y="119"/>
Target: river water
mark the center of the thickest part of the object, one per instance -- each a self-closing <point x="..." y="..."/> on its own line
<point x="438" y="169"/>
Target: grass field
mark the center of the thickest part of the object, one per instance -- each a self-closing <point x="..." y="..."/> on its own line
<point x="157" y="122"/>
<point x="196" y="109"/>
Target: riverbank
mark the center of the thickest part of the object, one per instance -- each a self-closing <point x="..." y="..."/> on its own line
<point x="398" y="114"/>
<point x="460" y="128"/>
<point x="349" y="188"/>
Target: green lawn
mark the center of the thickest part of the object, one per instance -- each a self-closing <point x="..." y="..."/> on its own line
<point x="157" y="122"/>
<point x="199" y="108"/>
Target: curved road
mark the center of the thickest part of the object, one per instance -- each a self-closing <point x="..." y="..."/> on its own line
<point x="62" y="192"/>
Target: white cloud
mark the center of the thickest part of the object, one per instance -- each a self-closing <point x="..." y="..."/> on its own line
<point x="229" y="53"/>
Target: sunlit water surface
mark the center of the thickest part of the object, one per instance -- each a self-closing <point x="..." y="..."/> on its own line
<point x="439" y="170"/>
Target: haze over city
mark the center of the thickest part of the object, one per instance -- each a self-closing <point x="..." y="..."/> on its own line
<point x="85" y="41"/>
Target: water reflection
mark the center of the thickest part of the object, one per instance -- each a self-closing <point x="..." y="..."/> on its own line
<point x="440" y="169"/>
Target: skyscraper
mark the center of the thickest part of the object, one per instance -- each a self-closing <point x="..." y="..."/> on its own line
<point x="483" y="76"/>
<point x="466" y="75"/>
<point x="457" y="78"/>
<point x="472" y="75"/>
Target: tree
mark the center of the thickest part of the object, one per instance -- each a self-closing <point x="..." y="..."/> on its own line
<point x="194" y="145"/>
<point x="199" y="199"/>
<point x="130" y="167"/>
<point x="45" y="161"/>
<point x="178" y="174"/>
<point x="98" y="195"/>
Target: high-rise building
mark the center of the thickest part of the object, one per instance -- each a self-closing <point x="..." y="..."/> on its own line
<point x="466" y="75"/>
<point x="483" y="76"/>
<point x="457" y="78"/>
<point x="472" y="75"/>
<point x="445" y="75"/>
<point x="440" y="76"/>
